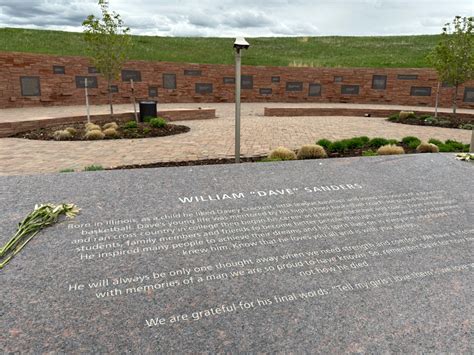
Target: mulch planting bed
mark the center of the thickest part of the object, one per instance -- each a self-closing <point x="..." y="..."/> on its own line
<point x="144" y="130"/>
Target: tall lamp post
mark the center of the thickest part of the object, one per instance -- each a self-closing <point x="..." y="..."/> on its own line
<point x="239" y="44"/>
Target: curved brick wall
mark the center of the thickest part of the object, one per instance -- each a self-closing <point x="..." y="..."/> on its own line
<point x="35" y="80"/>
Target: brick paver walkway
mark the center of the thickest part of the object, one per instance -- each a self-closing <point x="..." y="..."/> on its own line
<point x="207" y="138"/>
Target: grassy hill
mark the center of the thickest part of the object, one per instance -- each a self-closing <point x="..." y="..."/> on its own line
<point x="390" y="51"/>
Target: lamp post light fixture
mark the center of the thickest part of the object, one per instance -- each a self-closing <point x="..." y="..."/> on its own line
<point x="239" y="44"/>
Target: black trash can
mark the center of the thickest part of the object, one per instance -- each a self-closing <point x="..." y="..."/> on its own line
<point x="147" y="109"/>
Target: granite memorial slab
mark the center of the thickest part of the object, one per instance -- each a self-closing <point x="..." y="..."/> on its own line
<point x="153" y="91"/>
<point x="246" y="82"/>
<point x="468" y="95"/>
<point x="134" y="75"/>
<point x="59" y="69"/>
<point x="92" y="70"/>
<point x="265" y="91"/>
<point x="91" y="82"/>
<point x="229" y="80"/>
<point x="338" y="79"/>
<point x="379" y="82"/>
<point x="420" y="91"/>
<point x="275" y="79"/>
<point x="350" y="89"/>
<point x="192" y="72"/>
<point x="407" y="77"/>
<point x="30" y="86"/>
<point x="360" y="255"/>
<point x="294" y="86"/>
<point x="169" y="81"/>
<point x="314" y="90"/>
<point x="204" y="88"/>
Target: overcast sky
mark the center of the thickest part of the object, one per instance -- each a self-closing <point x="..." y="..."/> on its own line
<point x="251" y="18"/>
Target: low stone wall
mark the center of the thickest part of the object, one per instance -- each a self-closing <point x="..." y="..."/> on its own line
<point x="8" y="129"/>
<point x="45" y="80"/>
<point x="373" y="112"/>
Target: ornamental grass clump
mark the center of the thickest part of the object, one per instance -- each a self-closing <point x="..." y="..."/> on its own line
<point x="71" y="130"/>
<point x="110" y="133"/>
<point x="411" y="142"/>
<point x="325" y="143"/>
<point x="42" y="216"/>
<point x="390" y="149"/>
<point x="113" y="125"/>
<point x="94" y="135"/>
<point x="427" y="148"/>
<point x="406" y="114"/>
<point x="377" y="142"/>
<point x="92" y="127"/>
<point x="311" y="151"/>
<point x="157" y="122"/>
<point x="62" y="135"/>
<point x="282" y="153"/>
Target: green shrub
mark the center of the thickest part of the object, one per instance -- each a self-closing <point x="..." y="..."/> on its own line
<point x="130" y="125"/>
<point x="354" y="143"/>
<point x="66" y="170"/>
<point x="394" y="117"/>
<point x="369" y="153"/>
<point x="282" y="153"/>
<point x="424" y="116"/>
<point x="113" y="125"/>
<point x="411" y="142"/>
<point x="377" y="142"/>
<point x="157" y="122"/>
<point x="445" y="148"/>
<point x="457" y="146"/>
<point x="364" y="139"/>
<point x="93" y="167"/>
<point x="466" y="148"/>
<point x="62" y="135"/>
<point x="94" y="135"/>
<point x="468" y="126"/>
<point x="444" y="123"/>
<point x="338" y="146"/>
<point x="393" y="141"/>
<point x="325" y="143"/>
<point x="390" y="150"/>
<point x="427" y="148"/>
<point x="431" y="120"/>
<point x="435" y="141"/>
<point x="406" y="114"/>
<point x="148" y="118"/>
<point x="311" y="151"/>
<point x="146" y="130"/>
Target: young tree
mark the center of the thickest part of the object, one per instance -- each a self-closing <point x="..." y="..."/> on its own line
<point x="109" y="41"/>
<point x="453" y="57"/>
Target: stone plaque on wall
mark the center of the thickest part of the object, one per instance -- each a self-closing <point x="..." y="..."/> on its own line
<point x="134" y="75"/>
<point x="420" y="91"/>
<point x="169" y="81"/>
<point x="265" y="91"/>
<point x="30" y="86"/>
<point x="379" y="82"/>
<point x="153" y="91"/>
<point x="338" y="79"/>
<point x="229" y="80"/>
<point x="192" y="72"/>
<point x="59" y="69"/>
<point x="468" y="95"/>
<point x="114" y="89"/>
<point x="247" y="82"/>
<point x="350" y="89"/>
<point x="204" y="88"/>
<point x="275" y="79"/>
<point x="92" y="70"/>
<point x="407" y="77"/>
<point x="81" y="82"/>
<point x="294" y="86"/>
<point x="314" y="90"/>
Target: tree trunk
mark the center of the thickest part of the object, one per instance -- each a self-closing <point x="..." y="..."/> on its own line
<point x="455" y="98"/>
<point x="109" y="83"/>
<point x="437" y="100"/>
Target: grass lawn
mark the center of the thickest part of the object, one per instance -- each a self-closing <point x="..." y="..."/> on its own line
<point x="388" y="52"/>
